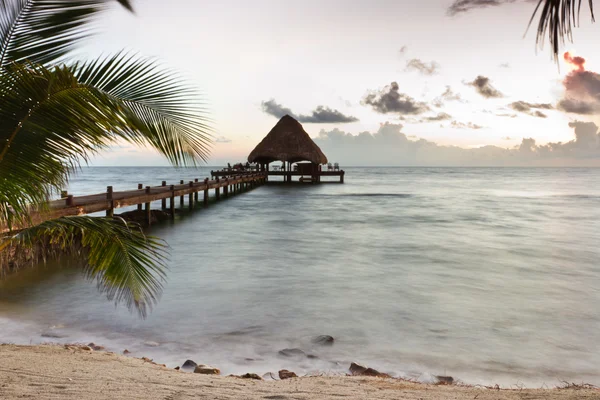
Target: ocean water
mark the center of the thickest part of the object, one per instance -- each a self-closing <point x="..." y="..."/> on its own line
<point x="491" y="275"/>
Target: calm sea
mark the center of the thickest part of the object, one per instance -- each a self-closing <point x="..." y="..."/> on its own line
<point x="491" y="275"/>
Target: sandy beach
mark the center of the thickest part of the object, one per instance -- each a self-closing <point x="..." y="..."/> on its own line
<point x="59" y="372"/>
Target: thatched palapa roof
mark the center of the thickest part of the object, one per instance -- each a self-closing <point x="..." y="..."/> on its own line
<point x="287" y="141"/>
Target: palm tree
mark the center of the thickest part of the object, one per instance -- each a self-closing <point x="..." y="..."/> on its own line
<point x="557" y="19"/>
<point x="56" y="113"/>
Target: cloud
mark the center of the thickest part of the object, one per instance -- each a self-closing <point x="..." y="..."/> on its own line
<point x="462" y="125"/>
<point x="483" y="86"/>
<point x="463" y="6"/>
<point x="275" y="109"/>
<point x="403" y="50"/>
<point x="582" y="89"/>
<point x="507" y="115"/>
<point x="424" y="68"/>
<point x="528" y="108"/>
<point x="578" y="107"/>
<point x="507" y="138"/>
<point x="320" y="115"/>
<point x="439" y="117"/>
<point x="389" y="145"/>
<point x="390" y="100"/>
<point x="448" y="95"/>
<point x="222" y="139"/>
<point x="326" y="115"/>
<point x="504" y="65"/>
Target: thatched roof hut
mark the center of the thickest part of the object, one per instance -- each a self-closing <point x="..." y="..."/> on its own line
<point x="287" y="142"/>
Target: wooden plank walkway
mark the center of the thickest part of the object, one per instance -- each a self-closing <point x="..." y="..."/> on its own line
<point x="110" y="200"/>
<point x="288" y="174"/>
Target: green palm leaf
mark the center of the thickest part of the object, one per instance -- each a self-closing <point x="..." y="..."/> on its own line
<point x="158" y="99"/>
<point x="557" y="19"/>
<point x="42" y="31"/>
<point x="51" y="119"/>
<point x="127" y="265"/>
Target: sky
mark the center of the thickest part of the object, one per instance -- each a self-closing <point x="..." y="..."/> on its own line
<point x="378" y="82"/>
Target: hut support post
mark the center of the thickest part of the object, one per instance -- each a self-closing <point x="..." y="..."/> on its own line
<point x="164" y="201"/>
<point x="191" y="196"/>
<point x="218" y="190"/>
<point x="205" y="192"/>
<point x="148" y="210"/>
<point x="196" y="192"/>
<point x="172" y="201"/>
<point x="181" y="197"/>
<point x="140" y="187"/>
<point x="109" y="196"/>
<point x="226" y="188"/>
<point x="342" y="173"/>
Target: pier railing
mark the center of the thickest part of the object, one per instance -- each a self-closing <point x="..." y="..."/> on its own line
<point x="144" y="196"/>
<point x="287" y="175"/>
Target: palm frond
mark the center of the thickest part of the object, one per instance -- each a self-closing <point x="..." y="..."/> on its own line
<point x="52" y="119"/>
<point x="41" y="31"/>
<point x="164" y="103"/>
<point x="127" y="265"/>
<point x="557" y="19"/>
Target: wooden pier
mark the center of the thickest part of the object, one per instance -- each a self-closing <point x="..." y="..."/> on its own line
<point x="144" y="196"/>
<point x="312" y="177"/>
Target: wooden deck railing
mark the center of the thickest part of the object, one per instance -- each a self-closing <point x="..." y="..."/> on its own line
<point x="144" y="196"/>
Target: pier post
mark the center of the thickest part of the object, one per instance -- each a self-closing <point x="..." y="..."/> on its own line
<point x="191" y="196"/>
<point x="226" y="188"/>
<point x="69" y="200"/>
<point x="109" y="196"/>
<point x="342" y="176"/>
<point x="140" y="186"/>
<point x="172" y="202"/>
<point x="218" y="190"/>
<point x="181" y="197"/>
<point x="164" y="201"/>
<point x="148" y="211"/>
<point x="196" y="192"/>
<point x="205" y="192"/>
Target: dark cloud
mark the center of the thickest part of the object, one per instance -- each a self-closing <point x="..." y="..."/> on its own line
<point x="222" y="139"/>
<point x="463" y="6"/>
<point x="390" y="146"/>
<point x="439" y="117"/>
<point x="320" y="115"/>
<point x="448" y="95"/>
<point x="390" y="100"/>
<point x="424" y="68"/>
<point x="326" y="115"/>
<point x="275" y="109"/>
<point x="531" y="108"/>
<point x="578" y="106"/>
<point x="582" y="89"/>
<point x="483" y="86"/>
<point x="463" y="125"/>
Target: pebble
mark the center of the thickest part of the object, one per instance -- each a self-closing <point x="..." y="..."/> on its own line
<point x="207" y="370"/>
<point x="285" y="374"/>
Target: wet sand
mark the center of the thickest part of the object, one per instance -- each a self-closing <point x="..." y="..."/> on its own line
<point x="57" y="372"/>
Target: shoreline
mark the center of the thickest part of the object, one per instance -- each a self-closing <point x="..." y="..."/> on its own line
<point x="77" y="372"/>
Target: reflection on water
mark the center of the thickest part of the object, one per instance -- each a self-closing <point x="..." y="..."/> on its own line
<point x="490" y="275"/>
